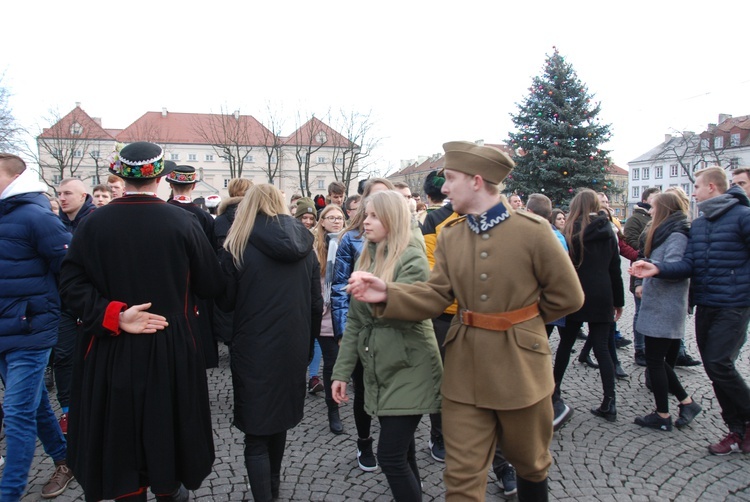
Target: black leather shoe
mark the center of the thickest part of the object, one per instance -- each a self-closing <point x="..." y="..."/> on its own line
<point x="686" y="360"/>
<point x="334" y="420"/>
<point x="622" y="342"/>
<point x="619" y="372"/>
<point x="587" y="361"/>
<point x="607" y="410"/>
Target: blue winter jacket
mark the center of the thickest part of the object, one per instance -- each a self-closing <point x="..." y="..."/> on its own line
<point x="350" y="247"/>
<point x="33" y="242"/>
<point x="717" y="258"/>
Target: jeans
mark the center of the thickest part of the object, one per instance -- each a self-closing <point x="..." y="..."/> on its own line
<point x="589" y="344"/>
<point x="314" y="367"/>
<point x="639" y="344"/>
<point x="66" y="343"/>
<point x="28" y="414"/>
<point x="721" y="333"/>
<point x="661" y="355"/>
<point x="397" y="456"/>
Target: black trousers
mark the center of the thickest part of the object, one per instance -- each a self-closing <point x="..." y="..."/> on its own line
<point x="362" y="420"/>
<point x="67" y="332"/>
<point x="329" y="347"/>
<point x="397" y="456"/>
<point x="661" y="355"/>
<point x="721" y="333"/>
<point x="599" y="334"/>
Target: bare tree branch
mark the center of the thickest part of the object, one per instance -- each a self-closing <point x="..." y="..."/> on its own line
<point x="230" y="136"/>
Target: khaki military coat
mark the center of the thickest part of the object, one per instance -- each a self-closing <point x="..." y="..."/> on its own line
<point x="512" y="265"/>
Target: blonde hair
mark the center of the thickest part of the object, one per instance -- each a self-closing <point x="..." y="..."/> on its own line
<point x="359" y="217"/>
<point x="259" y="199"/>
<point x="684" y="199"/>
<point x="237" y="187"/>
<point x="321" y="244"/>
<point x="715" y="175"/>
<point x="393" y="212"/>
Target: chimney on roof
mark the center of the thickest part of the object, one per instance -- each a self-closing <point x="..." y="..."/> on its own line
<point x="98" y="121"/>
<point x="723" y="117"/>
<point x="711" y="127"/>
<point x="78" y="104"/>
<point x="479" y="142"/>
<point x="164" y="112"/>
<point x="236" y="115"/>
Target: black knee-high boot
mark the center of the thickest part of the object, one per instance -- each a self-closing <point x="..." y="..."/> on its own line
<point x="529" y="491"/>
<point x="259" y="475"/>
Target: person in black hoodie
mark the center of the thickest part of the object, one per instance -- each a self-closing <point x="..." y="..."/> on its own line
<point x="593" y="247"/>
<point x="273" y="328"/>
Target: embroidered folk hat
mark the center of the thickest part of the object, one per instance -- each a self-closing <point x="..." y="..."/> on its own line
<point x="489" y="162"/>
<point x="182" y="175"/>
<point x="140" y="160"/>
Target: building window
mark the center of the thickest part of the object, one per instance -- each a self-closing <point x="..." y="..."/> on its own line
<point x="734" y="163"/>
<point x="704" y="144"/>
<point x="94" y="154"/>
<point x="174" y="156"/>
<point x="636" y="174"/>
<point x="76" y="129"/>
<point x="658" y="172"/>
<point x="78" y="154"/>
<point x="192" y="157"/>
<point x="209" y="157"/>
<point x="646" y="173"/>
<point x="273" y="159"/>
<point x="249" y="158"/>
<point x="686" y="188"/>
<point x="658" y="187"/>
<point x="321" y="184"/>
<point x="718" y="142"/>
<point x="674" y="170"/>
<point x="56" y="179"/>
<point x="94" y="180"/>
<point x="636" y="192"/>
<point x="321" y="137"/>
<point x="734" y="140"/>
<point x="321" y="160"/>
<point x="339" y="160"/>
<point x="226" y="182"/>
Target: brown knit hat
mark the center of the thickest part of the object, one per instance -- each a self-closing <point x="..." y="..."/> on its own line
<point x="305" y="205"/>
<point x="488" y="162"/>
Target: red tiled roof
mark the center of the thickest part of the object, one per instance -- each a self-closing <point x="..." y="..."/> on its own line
<point x="437" y="161"/>
<point x="307" y="134"/>
<point x="90" y="129"/>
<point x="616" y="170"/>
<point x="188" y="128"/>
<point x="735" y="122"/>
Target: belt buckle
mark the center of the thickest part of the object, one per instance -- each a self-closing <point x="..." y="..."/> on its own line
<point x="461" y="315"/>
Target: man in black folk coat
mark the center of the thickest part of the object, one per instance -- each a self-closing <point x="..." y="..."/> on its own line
<point x="139" y="413"/>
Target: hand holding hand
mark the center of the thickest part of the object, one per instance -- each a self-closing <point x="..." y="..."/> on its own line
<point x="137" y="320"/>
<point x="365" y="287"/>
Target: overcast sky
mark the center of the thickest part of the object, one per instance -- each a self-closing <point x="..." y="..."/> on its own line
<point x="428" y="72"/>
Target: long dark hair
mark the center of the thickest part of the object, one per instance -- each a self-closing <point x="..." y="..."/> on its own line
<point x="582" y="207"/>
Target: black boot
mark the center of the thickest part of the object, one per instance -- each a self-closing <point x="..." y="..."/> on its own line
<point x="259" y="475"/>
<point x="179" y="495"/>
<point x="607" y="410"/>
<point x="529" y="491"/>
<point x="334" y="420"/>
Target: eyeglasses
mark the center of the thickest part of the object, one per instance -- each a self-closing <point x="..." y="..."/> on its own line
<point x="334" y="218"/>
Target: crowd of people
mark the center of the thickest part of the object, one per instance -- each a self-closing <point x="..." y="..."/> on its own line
<point x="421" y="308"/>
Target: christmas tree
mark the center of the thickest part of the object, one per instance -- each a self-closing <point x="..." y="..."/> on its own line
<point x="558" y="135"/>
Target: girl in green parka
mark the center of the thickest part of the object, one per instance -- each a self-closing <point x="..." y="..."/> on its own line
<point x="401" y="360"/>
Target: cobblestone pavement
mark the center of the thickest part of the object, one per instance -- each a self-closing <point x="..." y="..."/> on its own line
<point x="593" y="459"/>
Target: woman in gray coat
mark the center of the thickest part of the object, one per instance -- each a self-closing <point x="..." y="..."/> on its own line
<point x="664" y="305"/>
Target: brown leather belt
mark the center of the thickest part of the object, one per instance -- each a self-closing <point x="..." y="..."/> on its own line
<point x="498" y="322"/>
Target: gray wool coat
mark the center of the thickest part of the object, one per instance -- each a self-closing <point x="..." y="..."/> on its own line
<point x="664" y="302"/>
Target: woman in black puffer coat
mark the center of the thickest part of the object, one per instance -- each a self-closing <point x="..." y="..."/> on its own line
<point x="595" y="253"/>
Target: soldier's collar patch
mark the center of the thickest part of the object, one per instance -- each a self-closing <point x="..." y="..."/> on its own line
<point x="488" y="219"/>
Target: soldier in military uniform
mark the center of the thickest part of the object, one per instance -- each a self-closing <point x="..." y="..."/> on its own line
<point x="510" y="276"/>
